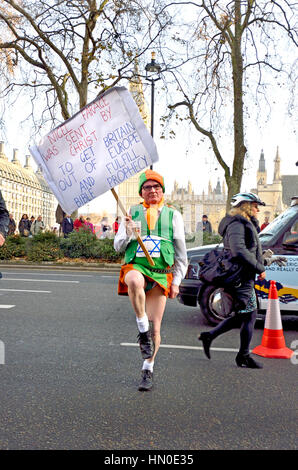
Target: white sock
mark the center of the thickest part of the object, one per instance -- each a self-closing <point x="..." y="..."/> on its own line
<point x="148" y="365"/>
<point x="143" y="323"/>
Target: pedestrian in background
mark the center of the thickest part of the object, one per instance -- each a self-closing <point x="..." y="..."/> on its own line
<point x="265" y="223"/>
<point x="89" y="224"/>
<point x="24" y="226"/>
<point x="4" y="220"/>
<point x="32" y="219"/>
<point x="116" y="224"/>
<point x="67" y="225"/>
<point x="105" y="227"/>
<point x="79" y="223"/>
<point x="37" y="226"/>
<point x="11" y="225"/>
<point x="204" y="225"/>
<point x="240" y="236"/>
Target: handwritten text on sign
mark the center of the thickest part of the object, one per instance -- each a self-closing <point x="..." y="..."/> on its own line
<point x="101" y="146"/>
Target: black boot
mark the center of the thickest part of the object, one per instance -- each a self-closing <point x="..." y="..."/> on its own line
<point x="206" y="339"/>
<point x="247" y="361"/>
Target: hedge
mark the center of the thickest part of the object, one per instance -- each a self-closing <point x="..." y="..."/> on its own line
<point x="46" y="246"/>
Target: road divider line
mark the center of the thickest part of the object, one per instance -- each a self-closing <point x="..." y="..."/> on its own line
<point x="7" y="306"/>
<point x="30" y="291"/>
<point x="49" y="274"/>
<point x="37" y="280"/>
<point x="178" y="346"/>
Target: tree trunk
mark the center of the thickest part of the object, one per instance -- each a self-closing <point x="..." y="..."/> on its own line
<point x="237" y="67"/>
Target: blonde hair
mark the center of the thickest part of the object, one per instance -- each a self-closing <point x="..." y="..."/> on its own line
<point x="244" y="209"/>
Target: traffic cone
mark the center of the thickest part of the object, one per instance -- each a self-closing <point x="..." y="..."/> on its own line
<point x="273" y="341"/>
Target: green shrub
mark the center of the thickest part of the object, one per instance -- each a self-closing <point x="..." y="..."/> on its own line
<point x="84" y="244"/>
<point x="43" y="251"/>
<point x="78" y="244"/>
<point x="15" y="246"/>
<point x="43" y="247"/>
<point x="104" y="250"/>
<point x="44" y="237"/>
<point x="211" y="238"/>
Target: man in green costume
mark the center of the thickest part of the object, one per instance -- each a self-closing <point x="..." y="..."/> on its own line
<point x="162" y="232"/>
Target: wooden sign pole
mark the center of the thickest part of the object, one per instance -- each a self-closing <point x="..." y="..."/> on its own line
<point x="140" y="241"/>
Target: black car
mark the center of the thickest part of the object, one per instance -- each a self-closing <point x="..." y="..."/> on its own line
<point x="281" y="236"/>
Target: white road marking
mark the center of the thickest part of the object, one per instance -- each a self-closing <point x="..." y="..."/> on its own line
<point x="47" y="274"/>
<point x="7" y="306"/>
<point x="178" y="346"/>
<point x="37" y="280"/>
<point x="21" y="290"/>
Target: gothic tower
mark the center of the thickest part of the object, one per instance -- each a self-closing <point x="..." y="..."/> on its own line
<point x="262" y="173"/>
<point x="276" y="175"/>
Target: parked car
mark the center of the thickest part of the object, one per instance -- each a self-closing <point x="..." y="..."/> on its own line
<point x="281" y="236"/>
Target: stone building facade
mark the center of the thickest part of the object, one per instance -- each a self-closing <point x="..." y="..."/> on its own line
<point x="277" y="195"/>
<point x="25" y="191"/>
<point x="193" y="207"/>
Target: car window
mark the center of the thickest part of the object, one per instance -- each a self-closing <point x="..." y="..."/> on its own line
<point x="277" y="225"/>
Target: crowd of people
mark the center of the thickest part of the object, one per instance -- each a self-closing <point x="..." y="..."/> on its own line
<point x="30" y="227"/>
<point x="26" y="227"/>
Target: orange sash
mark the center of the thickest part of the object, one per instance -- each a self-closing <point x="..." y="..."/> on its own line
<point x="152" y="213"/>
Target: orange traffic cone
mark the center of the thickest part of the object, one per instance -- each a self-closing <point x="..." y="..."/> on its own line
<point x="273" y="341"/>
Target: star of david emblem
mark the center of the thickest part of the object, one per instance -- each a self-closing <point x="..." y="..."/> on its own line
<point x="153" y="246"/>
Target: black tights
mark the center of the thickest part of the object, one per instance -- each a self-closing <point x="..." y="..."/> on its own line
<point x="244" y="321"/>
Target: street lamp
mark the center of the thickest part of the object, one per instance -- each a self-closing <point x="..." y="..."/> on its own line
<point x="152" y="75"/>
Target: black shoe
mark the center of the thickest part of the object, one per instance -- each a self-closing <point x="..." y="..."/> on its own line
<point x="206" y="339"/>
<point x="146" y="345"/>
<point x="247" y="361"/>
<point x="146" y="383"/>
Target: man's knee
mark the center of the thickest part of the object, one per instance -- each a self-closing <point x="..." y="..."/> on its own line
<point x="134" y="280"/>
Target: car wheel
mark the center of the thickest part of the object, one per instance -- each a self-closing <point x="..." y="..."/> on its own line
<point x="211" y="305"/>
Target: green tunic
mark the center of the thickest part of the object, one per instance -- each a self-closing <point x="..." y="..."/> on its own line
<point x="162" y="240"/>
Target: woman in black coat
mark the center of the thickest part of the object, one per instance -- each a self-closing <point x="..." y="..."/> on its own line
<point x="24" y="226"/>
<point x="238" y="229"/>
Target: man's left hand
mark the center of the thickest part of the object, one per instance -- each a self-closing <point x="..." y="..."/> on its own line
<point x="2" y="239"/>
<point x="174" y="291"/>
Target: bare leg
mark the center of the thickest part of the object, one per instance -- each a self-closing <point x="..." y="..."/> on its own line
<point x="155" y="306"/>
<point x="136" y="284"/>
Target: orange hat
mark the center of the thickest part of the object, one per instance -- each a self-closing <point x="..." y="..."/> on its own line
<point x="150" y="175"/>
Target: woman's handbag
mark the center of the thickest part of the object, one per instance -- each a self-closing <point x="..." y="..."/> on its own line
<point x="218" y="267"/>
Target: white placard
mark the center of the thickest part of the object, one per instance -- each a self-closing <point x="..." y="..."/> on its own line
<point x="102" y="145"/>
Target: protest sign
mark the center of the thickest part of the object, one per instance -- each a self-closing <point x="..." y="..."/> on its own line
<point x="102" y="145"/>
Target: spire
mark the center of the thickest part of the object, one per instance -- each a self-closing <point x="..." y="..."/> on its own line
<point x="262" y="166"/>
<point x="209" y="189"/>
<point x="262" y="173"/>
<point x="276" y="175"/>
<point x="218" y="188"/>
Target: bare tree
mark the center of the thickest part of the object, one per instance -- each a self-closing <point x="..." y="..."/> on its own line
<point x="222" y="53"/>
<point x="66" y="52"/>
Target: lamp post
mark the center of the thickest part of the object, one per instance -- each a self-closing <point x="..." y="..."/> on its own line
<point x="152" y="75"/>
